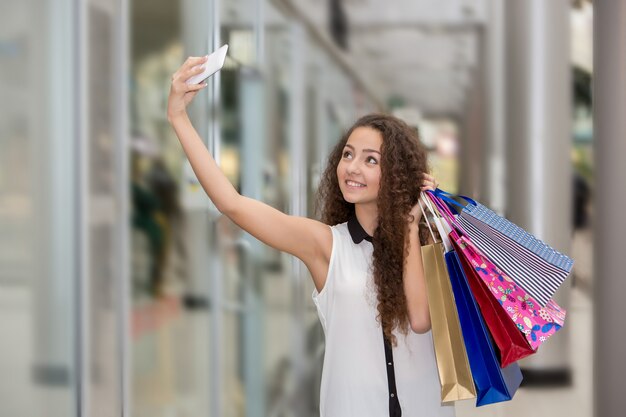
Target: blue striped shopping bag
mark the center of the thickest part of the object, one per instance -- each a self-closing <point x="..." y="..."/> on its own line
<point x="535" y="266"/>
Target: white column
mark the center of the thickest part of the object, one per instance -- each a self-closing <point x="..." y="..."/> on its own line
<point x="494" y="182"/>
<point x="609" y="102"/>
<point x="539" y="196"/>
<point x="474" y="129"/>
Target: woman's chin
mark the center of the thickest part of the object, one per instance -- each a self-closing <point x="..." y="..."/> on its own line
<point x="349" y="198"/>
<point x="354" y="200"/>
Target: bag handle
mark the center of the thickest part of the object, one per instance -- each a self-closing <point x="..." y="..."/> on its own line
<point x="426" y="220"/>
<point x="439" y="193"/>
<point x="438" y="224"/>
<point x="446" y="213"/>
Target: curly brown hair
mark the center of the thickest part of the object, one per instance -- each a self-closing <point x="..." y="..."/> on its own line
<point x="403" y="163"/>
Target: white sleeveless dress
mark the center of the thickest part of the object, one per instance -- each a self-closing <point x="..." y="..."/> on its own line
<point x="354" y="375"/>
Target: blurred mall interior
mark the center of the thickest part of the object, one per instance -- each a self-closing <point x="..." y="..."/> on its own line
<point x="124" y="292"/>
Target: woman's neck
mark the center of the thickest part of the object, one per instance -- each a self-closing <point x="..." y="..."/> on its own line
<point x="367" y="215"/>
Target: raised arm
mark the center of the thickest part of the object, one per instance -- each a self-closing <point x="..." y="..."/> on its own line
<point x="215" y="184"/>
<point x="305" y="238"/>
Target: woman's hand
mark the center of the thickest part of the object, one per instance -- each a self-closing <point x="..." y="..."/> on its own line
<point x="430" y="183"/>
<point x="182" y="93"/>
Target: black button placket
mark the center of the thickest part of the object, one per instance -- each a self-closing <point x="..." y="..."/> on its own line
<point x="394" y="403"/>
<point x="358" y="234"/>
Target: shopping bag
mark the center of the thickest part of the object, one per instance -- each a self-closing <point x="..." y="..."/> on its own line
<point x="531" y="263"/>
<point x="455" y="375"/>
<point x="510" y="342"/>
<point x="536" y="323"/>
<point x="493" y="384"/>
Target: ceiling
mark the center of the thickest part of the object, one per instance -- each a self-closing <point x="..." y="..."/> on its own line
<point x="420" y="52"/>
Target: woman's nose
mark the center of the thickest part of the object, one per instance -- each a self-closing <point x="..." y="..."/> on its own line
<point x="354" y="166"/>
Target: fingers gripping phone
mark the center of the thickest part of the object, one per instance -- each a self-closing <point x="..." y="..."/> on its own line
<point x="214" y="63"/>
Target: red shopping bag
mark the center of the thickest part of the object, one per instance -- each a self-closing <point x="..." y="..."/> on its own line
<point x="511" y="343"/>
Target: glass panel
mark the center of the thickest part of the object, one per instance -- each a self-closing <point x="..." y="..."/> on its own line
<point x="243" y="381"/>
<point x="277" y="277"/>
<point x="104" y="272"/>
<point x="38" y="201"/>
<point x="171" y="245"/>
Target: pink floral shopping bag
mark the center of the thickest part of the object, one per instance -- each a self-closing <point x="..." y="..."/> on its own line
<point x="536" y="322"/>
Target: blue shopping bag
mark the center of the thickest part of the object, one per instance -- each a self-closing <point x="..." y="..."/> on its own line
<point x="493" y="384"/>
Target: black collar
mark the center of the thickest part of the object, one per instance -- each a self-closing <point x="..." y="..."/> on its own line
<point x="356" y="230"/>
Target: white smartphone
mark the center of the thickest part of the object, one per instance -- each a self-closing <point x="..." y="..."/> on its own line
<point x="211" y="66"/>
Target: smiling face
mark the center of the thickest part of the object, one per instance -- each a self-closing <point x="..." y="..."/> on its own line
<point x="360" y="164"/>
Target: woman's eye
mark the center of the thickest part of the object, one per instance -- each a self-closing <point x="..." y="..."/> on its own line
<point x="346" y="153"/>
<point x="373" y="159"/>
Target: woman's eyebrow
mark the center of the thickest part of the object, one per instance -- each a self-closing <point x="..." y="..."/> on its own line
<point x="364" y="150"/>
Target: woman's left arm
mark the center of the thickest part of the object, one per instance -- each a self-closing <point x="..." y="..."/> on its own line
<point x="415" y="284"/>
<point x="413" y="271"/>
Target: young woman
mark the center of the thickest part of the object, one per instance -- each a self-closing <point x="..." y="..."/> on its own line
<point x="364" y="258"/>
